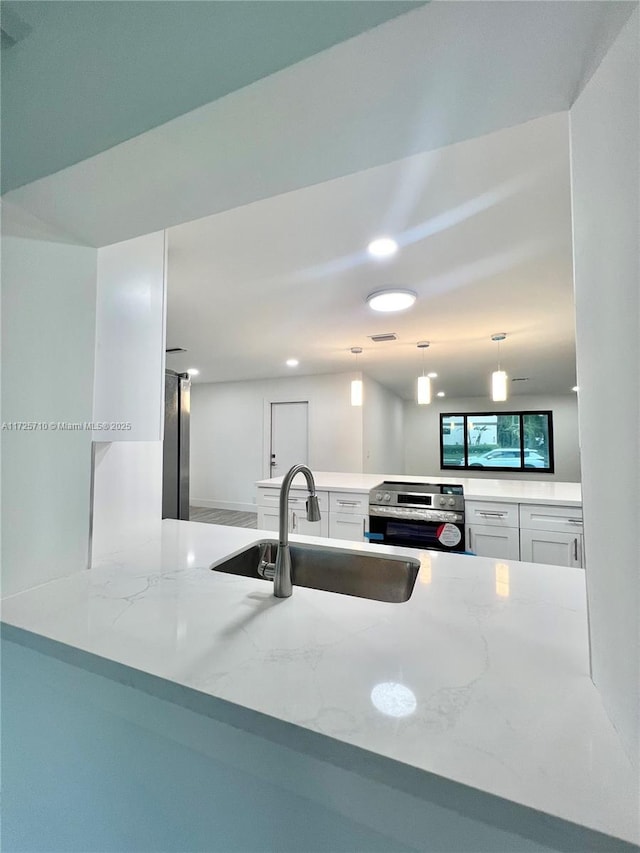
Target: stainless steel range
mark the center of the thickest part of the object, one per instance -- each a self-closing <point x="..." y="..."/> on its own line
<point x="417" y="515"/>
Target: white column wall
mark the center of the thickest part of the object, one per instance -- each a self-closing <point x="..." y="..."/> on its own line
<point x="605" y="154"/>
<point x="130" y="339"/>
<point x="129" y="389"/>
<point x="422" y="434"/>
<point x="48" y="326"/>
<point x="127" y="496"/>
<point x="382" y="429"/>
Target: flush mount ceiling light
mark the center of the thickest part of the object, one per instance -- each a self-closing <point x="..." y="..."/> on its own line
<point x="382" y="247"/>
<point x="498" y="377"/>
<point x="440" y="394"/>
<point x="356" y="384"/>
<point x="391" y="299"/>
<point x="432" y="375"/>
<point x="575" y="388"/>
<point x="292" y="362"/>
<point x="193" y="371"/>
<point x="424" y="383"/>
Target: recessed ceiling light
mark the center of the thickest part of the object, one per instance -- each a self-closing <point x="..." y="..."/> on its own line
<point x="575" y="388"/>
<point x="440" y="394"/>
<point x="432" y="375"/>
<point x="393" y="299"/>
<point x="193" y="371"/>
<point x="292" y="362"/>
<point x="382" y="247"/>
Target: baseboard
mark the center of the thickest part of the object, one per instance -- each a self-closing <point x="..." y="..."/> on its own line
<point x="237" y="506"/>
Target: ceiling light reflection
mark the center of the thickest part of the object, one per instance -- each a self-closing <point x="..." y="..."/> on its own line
<point x="425" y="568"/>
<point x="393" y="699"/>
<point x="502" y="580"/>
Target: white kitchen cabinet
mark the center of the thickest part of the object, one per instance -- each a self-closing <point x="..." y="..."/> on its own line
<point x="350" y="526"/>
<point x="269" y="512"/>
<point x="502" y="543"/>
<point x="491" y="513"/>
<point x="564" y="519"/>
<point x="492" y="529"/>
<point x="344" y="515"/>
<point x="551" y="535"/>
<point x="268" y="519"/>
<point x="348" y="515"/>
<point x="551" y="547"/>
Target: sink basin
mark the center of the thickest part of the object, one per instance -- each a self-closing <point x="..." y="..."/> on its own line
<point x="375" y="576"/>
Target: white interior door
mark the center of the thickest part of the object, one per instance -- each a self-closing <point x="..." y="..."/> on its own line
<point x="289" y="436"/>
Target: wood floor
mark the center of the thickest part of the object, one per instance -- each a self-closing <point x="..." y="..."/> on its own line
<point x="223" y="516"/>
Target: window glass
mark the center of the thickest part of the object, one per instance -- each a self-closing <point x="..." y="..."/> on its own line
<point x="452" y="433"/>
<point x="536" y="440"/>
<point x="494" y="441"/>
<point x="517" y="441"/>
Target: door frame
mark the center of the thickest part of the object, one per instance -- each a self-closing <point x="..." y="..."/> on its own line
<point x="266" y="431"/>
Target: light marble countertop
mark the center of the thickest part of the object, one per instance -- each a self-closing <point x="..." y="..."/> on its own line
<point x="510" y="491"/>
<point x="482" y="677"/>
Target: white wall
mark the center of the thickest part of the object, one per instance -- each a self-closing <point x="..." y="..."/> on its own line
<point x="605" y="178"/>
<point x="382" y="430"/>
<point x="48" y="324"/>
<point x="422" y="434"/>
<point x="228" y="447"/>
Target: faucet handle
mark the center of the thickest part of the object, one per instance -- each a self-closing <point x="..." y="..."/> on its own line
<point x="313" y="508"/>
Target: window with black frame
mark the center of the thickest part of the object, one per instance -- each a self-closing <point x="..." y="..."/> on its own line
<point x="505" y="441"/>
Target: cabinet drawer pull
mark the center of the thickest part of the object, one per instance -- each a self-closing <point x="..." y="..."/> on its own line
<point x="574" y="520"/>
<point x="491" y="513"/>
<point x="575" y="549"/>
<point x="349" y="503"/>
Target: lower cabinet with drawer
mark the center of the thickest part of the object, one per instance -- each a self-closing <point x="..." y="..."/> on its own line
<point x="348" y="515"/>
<point x="551" y="535"/>
<point x="344" y="515"/>
<point x="269" y="512"/>
<point x="501" y="543"/>
<point x="492" y="529"/>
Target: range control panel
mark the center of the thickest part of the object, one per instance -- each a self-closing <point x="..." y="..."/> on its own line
<point x="416" y="495"/>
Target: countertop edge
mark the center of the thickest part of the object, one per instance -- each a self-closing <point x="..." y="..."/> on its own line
<point x="325" y="485"/>
<point x="474" y="803"/>
<point x="510" y="499"/>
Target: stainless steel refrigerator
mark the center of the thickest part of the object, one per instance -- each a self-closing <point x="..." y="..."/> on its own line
<point x="175" y="451"/>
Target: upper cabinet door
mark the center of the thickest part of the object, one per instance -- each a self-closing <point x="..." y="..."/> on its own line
<point x="130" y="340"/>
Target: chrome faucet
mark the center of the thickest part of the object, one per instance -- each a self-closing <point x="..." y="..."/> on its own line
<point x="281" y="571"/>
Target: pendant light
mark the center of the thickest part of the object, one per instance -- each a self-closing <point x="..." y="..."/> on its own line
<point x="356" y="384"/>
<point x="424" y="382"/>
<point x="498" y="377"/>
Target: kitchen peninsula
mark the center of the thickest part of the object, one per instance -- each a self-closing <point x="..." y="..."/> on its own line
<point x="538" y="521"/>
<point x="470" y="704"/>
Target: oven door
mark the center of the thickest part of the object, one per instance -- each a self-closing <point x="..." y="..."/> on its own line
<point x="411" y="533"/>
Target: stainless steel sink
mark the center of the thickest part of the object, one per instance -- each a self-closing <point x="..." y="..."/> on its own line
<point x="375" y="576"/>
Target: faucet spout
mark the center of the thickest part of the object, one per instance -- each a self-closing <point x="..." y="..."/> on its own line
<point x="282" y="584"/>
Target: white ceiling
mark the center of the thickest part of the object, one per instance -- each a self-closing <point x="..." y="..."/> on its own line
<point x="443" y="73"/>
<point x="485" y="233"/>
